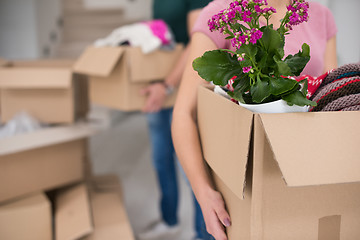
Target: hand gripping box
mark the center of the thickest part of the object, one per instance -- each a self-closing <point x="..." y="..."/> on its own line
<point x="46" y="89"/>
<point x="42" y="160"/>
<point x="283" y="176"/>
<point x="117" y="74"/>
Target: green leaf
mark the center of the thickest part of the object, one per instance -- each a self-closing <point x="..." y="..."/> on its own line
<point x="243" y="27"/>
<point x="265" y="62"/>
<point x="298" y="61"/>
<point x="305" y="86"/>
<point x="282" y="67"/>
<point x="297" y="98"/>
<point x="281" y="85"/>
<point x="271" y="40"/>
<point x="217" y="66"/>
<point x="250" y="50"/>
<point x="241" y="85"/>
<point x="237" y="26"/>
<point x="260" y="91"/>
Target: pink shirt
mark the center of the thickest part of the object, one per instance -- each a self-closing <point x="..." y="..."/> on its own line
<point x="316" y="32"/>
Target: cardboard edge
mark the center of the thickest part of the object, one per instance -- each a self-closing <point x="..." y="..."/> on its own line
<point x="238" y="194"/>
<point x="272" y="150"/>
<point x="45" y="137"/>
<point x="41" y="78"/>
<point x="104" y="188"/>
<point x="135" y="53"/>
<point x="73" y="207"/>
<point x="288" y="183"/>
<point x="94" y="56"/>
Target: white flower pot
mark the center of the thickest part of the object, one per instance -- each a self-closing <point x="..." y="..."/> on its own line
<point x="279" y="106"/>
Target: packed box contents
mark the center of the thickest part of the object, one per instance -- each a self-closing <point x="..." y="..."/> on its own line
<point x="289" y="171"/>
<point x="271" y="168"/>
<point x="126" y="61"/>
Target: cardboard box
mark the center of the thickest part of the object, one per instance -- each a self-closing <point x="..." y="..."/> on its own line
<point x="102" y="216"/>
<point x="42" y="160"/>
<point x="117" y="74"/>
<point x="283" y="176"/>
<point x="110" y="218"/>
<point x="46" y="89"/>
<point x="27" y="218"/>
<point x="3" y="63"/>
<point x="72" y="213"/>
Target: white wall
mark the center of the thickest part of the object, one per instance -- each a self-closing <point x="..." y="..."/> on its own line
<point x="49" y="32"/>
<point x="346" y="13"/>
<point x="23" y="35"/>
<point x="28" y="28"/>
<point x="18" y="38"/>
<point x="134" y="9"/>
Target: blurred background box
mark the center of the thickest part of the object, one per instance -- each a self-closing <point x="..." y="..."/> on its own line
<point x="46" y="89"/>
<point x="42" y="160"/>
<point x="111" y="221"/>
<point x="117" y="74"/>
<point x="73" y="217"/>
<point x="4" y="62"/>
<point x="92" y="210"/>
<point x="27" y="218"/>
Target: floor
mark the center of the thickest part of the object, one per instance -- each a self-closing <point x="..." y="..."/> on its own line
<point x="123" y="147"/>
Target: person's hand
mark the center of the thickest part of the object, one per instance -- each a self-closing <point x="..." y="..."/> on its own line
<point x="215" y="215"/>
<point x="155" y="97"/>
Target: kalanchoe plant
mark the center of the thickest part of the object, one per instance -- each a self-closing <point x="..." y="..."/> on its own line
<point x="258" y="69"/>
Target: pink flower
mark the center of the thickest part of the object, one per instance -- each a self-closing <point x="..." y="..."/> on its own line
<point x="247" y="69"/>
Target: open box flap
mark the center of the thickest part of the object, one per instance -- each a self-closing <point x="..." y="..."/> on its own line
<point x="98" y="61"/>
<point x="20" y="78"/>
<point x="315" y="148"/>
<point x="109" y="213"/>
<point x="73" y="213"/>
<point x="45" y="137"/>
<point x="153" y="66"/>
<point x="225" y="130"/>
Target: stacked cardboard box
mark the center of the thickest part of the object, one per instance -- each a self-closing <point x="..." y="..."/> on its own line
<point x="26" y="218"/>
<point x="47" y="90"/>
<point x="283" y="176"/>
<point x="46" y="174"/>
<point x="42" y="160"/>
<point x="53" y="161"/>
<point x="117" y="74"/>
<point x="77" y="211"/>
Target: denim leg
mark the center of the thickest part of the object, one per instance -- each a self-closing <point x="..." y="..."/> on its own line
<point x="164" y="163"/>
<point x="200" y="226"/>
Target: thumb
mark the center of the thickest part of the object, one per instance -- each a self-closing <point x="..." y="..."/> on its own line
<point x="223" y="215"/>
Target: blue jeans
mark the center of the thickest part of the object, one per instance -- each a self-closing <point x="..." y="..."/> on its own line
<point x="164" y="162"/>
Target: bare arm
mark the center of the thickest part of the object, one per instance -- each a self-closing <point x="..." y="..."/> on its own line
<point x="187" y="143"/>
<point x="156" y="92"/>
<point x="330" y="61"/>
